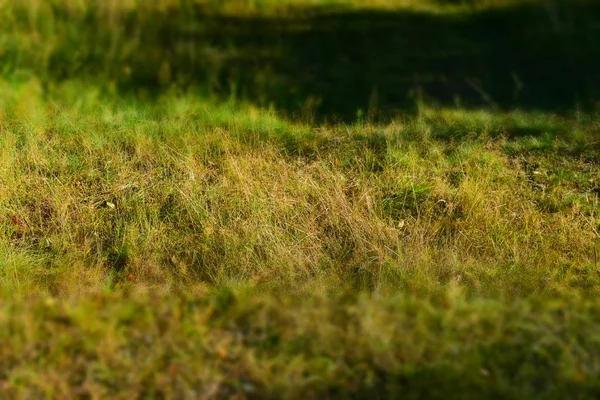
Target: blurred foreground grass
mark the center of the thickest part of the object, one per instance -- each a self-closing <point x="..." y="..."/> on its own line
<point x="159" y="239"/>
<point x="257" y="346"/>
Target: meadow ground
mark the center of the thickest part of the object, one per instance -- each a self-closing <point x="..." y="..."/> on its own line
<point x="200" y="209"/>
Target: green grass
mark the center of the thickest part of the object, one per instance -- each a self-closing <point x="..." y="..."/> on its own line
<point x="429" y="248"/>
<point x="173" y="238"/>
<point x="258" y="346"/>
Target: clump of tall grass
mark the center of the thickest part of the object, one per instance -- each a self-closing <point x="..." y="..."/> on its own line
<point x="181" y="191"/>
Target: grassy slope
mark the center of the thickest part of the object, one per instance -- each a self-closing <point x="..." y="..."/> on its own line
<point x="178" y="246"/>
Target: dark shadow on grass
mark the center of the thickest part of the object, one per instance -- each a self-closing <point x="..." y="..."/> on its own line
<point x="328" y="64"/>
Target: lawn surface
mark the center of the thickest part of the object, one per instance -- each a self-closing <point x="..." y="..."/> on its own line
<point x="299" y="199"/>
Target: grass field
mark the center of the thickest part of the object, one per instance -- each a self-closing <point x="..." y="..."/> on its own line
<point x="299" y="199"/>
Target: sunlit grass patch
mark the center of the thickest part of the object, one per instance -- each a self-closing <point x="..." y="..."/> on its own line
<point x="363" y="252"/>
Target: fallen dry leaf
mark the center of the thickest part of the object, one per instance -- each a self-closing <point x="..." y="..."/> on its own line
<point x="173" y="369"/>
<point x="221" y="352"/>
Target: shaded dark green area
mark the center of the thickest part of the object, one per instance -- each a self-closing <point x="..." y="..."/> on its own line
<point x="331" y="63"/>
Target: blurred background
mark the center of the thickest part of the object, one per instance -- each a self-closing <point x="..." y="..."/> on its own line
<point x="328" y="60"/>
